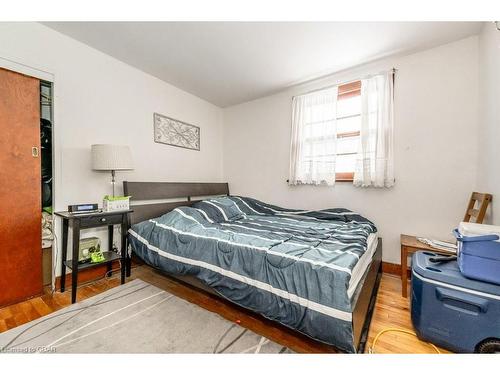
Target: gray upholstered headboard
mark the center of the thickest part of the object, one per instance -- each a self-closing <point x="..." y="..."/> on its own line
<point x="151" y="191"/>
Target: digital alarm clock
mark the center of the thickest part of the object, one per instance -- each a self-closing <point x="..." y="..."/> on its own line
<point x="82" y="208"/>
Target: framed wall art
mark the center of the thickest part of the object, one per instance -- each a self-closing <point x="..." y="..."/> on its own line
<point x="177" y="133"/>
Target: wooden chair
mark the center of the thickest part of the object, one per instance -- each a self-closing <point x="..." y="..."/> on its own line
<point x="410" y="244"/>
<point x="475" y="213"/>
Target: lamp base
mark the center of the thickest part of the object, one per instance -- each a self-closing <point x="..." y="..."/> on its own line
<point x="113" y="181"/>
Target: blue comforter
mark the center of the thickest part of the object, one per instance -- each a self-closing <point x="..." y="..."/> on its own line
<point x="291" y="266"/>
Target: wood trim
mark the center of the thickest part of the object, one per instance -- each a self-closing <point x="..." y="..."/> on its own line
<point x="349" y="95"/>
<point x="355" y="133"/>
<point x="349" y="90"/>
<point x="349" y="87"/>
<point x="393" y="269"/>
<point x="344" y="177"/>
<point x="26" y="70"/>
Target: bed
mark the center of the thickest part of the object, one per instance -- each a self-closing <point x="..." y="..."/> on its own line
<point x="316" y="272"/>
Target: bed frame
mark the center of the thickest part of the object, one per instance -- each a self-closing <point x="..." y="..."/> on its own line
<point x="153" y="199"/>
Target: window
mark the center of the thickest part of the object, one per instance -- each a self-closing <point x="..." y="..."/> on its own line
<point x="317" y="137"/>
<point x="335" y="132"/>
<point x="348" y="129"/>
<point x="319" y="132"/>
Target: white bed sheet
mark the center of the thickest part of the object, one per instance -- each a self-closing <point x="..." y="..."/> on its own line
<point x="363" y="264"/>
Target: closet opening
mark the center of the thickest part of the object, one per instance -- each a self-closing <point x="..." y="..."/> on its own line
<point x="47" y="178"/>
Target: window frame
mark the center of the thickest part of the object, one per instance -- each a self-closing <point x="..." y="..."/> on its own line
<point x="346" y="91"/>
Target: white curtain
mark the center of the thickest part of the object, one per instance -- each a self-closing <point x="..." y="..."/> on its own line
<point x="375" y="160"/>
<point x="313" y="141"/>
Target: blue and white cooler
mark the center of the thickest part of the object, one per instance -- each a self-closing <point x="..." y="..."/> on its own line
<point x="479" y="251"/>
<point x="452" y="311"/>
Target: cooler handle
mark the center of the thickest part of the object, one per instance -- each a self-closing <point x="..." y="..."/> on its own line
<point x="486" y="237"/>
<point x="466" y="300"/>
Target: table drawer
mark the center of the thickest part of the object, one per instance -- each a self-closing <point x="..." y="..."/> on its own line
<point x="97" y="221"/>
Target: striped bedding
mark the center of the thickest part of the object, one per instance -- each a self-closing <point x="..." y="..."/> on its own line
<point x="291" y="266"/>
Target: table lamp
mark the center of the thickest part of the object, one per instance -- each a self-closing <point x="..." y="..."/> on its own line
<point x="111" y="158"/>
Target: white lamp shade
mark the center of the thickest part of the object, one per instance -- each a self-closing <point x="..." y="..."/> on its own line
<point x="111" y="158"/>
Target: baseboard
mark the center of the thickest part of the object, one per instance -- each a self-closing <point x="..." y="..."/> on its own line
<point x="393" y="269"/>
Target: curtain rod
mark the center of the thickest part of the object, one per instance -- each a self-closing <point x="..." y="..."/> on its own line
<point x="393" y="70"/>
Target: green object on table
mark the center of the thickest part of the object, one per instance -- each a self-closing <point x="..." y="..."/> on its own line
<point x="47" y="209"/>
<point x="97" y="257"/>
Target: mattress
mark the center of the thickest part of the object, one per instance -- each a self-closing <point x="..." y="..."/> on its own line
<point x="364" y="262"/>
<point x="299" y="268"/>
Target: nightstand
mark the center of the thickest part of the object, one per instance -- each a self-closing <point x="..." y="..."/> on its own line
<point x="410" y="245"/>
<point x="85" y="221"/>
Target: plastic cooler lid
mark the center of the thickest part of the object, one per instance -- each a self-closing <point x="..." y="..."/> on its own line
<point x="474" y="229"/>
<point x="448" y="273"/>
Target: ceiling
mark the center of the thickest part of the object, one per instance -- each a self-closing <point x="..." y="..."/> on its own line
<point x="228" y="63"/>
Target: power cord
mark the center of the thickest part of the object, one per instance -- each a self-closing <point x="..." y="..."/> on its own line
<point x="108" y="275"/>
<point x="372" y="348"/>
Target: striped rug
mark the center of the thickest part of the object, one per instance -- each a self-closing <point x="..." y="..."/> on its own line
<point x="134" y="318"/>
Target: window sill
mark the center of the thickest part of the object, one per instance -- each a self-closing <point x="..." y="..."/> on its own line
<point x="344" y="177"/>
<point x="341" y="177"/>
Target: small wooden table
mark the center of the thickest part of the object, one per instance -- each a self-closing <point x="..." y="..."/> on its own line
<point x="92" y="220"/>
<point x="410" y="245"/>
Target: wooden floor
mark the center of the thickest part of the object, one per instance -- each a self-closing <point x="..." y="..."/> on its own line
<point x="391" y="311"/>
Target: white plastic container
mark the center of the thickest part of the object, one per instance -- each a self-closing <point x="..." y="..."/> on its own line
<point x="474" y="229"/>
<point x="121" y="204"/>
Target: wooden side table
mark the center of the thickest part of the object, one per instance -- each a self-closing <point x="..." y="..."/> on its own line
<point x="410" y="245"/>
<point x="91" y="220"/>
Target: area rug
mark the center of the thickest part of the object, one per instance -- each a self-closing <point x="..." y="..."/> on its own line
<point x="136" y="317"/>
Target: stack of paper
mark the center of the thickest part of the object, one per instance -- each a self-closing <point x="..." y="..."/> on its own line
<point x="440" y="245"/>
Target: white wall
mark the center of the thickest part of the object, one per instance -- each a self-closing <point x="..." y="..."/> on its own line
<point x="99" y="99"/>
<point x="489" y="117"/>
<point x="436" y="94"/>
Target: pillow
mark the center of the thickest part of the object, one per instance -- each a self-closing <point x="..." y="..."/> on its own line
<point x="219" y="209"/>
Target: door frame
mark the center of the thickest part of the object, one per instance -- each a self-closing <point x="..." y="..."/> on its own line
<point x="42" y="75"/>
<point x="26" y="69"/>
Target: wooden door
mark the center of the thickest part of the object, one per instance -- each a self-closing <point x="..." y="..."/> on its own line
<point x="20" y="195"/>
